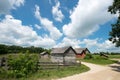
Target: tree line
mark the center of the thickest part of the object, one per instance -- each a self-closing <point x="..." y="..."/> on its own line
<point x="108" y="53"/>
<point x="4" y="49"/>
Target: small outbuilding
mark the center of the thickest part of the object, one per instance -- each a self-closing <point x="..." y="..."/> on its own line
<point x="64" y="54"/>
<point x="81" y="52"/>
<point x="45" y="55"/>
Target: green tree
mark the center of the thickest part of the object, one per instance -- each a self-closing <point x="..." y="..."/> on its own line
<point x="3" y="49"/>
<point x="115" y="33"/>
<point x="23" y="65"/>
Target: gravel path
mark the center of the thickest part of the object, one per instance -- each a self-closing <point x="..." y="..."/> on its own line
<point x="98" y="72"/>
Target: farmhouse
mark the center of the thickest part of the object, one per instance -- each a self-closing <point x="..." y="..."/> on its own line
<point x="64" y="54"/>
<point x="81" y="52"/>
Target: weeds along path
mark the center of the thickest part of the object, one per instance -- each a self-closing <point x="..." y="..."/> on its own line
<point x="97" y="72"/>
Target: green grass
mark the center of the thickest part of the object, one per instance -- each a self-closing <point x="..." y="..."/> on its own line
<point x="63" y="72"/>
<point x="110" y="56"/>
<point x="99" y="60"/>
<point x="114" y="56"/>
<point x="55" y="73"/>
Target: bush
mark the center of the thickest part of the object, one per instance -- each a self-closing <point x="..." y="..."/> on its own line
<point x="22" y="65"/>
<point x="88" y="56"/>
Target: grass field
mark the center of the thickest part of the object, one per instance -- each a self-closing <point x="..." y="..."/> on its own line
<point x="110" y="56"/>
<point x="114" y="56"/>
<point x="101" y="60"/>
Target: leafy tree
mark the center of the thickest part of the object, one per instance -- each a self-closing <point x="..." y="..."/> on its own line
<point x="115" y="33"/>
<point x="22" y="65"/>
<point x="3" y="49"/>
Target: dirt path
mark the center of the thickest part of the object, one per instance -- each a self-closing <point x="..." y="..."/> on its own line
<point x="98" y="72"/>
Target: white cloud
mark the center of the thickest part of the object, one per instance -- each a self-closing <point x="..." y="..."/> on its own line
<point x="69" y="42"/>
<point x="45" y="42"/>
<point x="90" y="42"/>
<point x="7" y="5"/>
<point x="54" y="32"/>
<point x="97" y="46"/>
<point x="57" y="13"/>
<point x="94" y="45"/>
<point x="86" y="18"/>
<point x="13" y="32"/>
<point x="37" y="26"/>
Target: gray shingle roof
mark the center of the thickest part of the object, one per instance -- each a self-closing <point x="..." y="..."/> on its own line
<point x="80" y="50"/>
<point x="63" y="49"/>
<point x="60" y="50"/>
<point x="43" y="53"/>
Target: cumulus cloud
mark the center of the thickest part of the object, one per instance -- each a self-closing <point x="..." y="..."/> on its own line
<point x="57" y="13"/>
<point x="7" y="5"/>
<point x="86" y="18"/>
<point x="37" y="26"/>
<point x="13" y="32"/>
<point x="47" y="24"/>
<point x="69" y="42"/>
<point x="96" y="46"/>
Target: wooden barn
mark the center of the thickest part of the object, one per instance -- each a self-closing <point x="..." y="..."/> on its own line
<point x="81" y="52"/>
<point x="64" y="54"/>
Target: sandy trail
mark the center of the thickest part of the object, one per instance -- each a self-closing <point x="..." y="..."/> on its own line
<point x="98" y="72"/>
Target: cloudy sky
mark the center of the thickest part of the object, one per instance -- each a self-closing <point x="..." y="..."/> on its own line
<point x="57" y="23"/>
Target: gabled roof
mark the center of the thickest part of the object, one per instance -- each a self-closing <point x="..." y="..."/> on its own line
<point x="80" y="50"/>
<point x="44" y="53"/>
<point x="61" y="50"/>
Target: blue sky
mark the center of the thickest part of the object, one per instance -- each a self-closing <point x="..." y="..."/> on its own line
<point x="57" y="23"/>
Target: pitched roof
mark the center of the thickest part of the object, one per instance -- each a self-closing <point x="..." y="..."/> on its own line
<point x="60" y="50"/>
<point x="44" y="53"/>
<point x="80" y="50"/>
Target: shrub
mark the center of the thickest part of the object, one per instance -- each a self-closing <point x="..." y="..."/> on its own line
<point x="88" y="56"/>
<point x="22" y="65"/>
